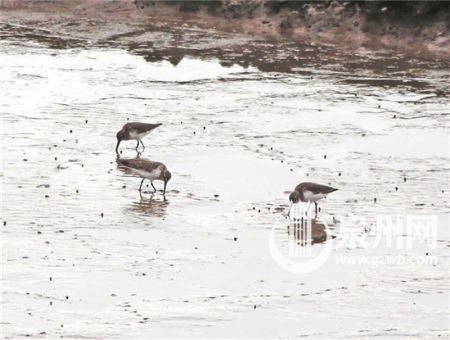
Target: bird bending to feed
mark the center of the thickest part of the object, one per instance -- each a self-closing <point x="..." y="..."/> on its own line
<point x="135" y="131"/>
<point x="309" y="192"/>
<point x="153" y="171"/>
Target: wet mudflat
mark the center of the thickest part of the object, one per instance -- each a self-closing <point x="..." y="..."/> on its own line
<point x="85" y="255"/>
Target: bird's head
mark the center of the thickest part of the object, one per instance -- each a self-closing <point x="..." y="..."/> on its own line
<point x="120" y="136"/>
<point x="294" y="197"/>
<point x="167" y="176"/>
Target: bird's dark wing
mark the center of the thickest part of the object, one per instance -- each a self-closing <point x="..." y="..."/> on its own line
<point x="315" y="188"/>
<point x="142" y="127"/>
<point x="139" y="164"/>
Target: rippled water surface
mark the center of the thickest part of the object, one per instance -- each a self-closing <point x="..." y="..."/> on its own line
<point x="84" y="255"/>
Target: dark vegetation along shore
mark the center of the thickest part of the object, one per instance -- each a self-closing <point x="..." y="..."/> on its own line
<point x="403" y="25"/>
<point x="411" y="27"/>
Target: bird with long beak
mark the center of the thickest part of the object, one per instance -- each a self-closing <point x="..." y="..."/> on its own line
<point x="147" y="170"/>
<point x="135" y="131"/>
<point x="309" y="192"/>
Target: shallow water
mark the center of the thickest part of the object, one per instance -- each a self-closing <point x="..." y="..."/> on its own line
<point x="84" y="255"/>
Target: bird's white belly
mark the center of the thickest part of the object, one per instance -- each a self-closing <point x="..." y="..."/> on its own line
<point x="146" y="174"/>
<point x="135" y="135"/>
<point x="310" y="196"/>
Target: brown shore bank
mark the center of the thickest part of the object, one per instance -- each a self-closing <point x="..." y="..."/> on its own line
<point x="411" y="27"/>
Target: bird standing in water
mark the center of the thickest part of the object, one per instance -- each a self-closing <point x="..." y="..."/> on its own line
<point x="309" y="192"/>
<point x="135" y="131"/>
<point x="147" y="170"/>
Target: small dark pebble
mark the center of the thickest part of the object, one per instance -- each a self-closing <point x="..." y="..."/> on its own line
<point x="56" y="158"/>
<point x="70" y="131"/>
<point x="426" y="254"/>
<point x="216" y="195"/>
<point x="25" y="160"/>
<point x="86" y="121"/>
<point x="101" y="215"/>
<point x="442" y="191"/>
<point x="204" y="128"/>
<point x="128" y="118"/>
<point x="181" y="122"/>
<point x="375" y="200"/>
<point x="291" y="169"/>
<point x="194" y="132"/>
<point x="235" y="238"/>
<point x="51" y="303"/>
<point x="356" y="94"/>
<point x="39" y="232"/>
<point x="124" y="186"/>
<point x="396" y="188"/>
<point x="77" y="191"/>
<point x="47" y="196"/>
<point x="254" y="307"/>
<point x="339" y="174"/>
<point x="394" y="116"/>
<point x="364" y="135"/>
<point x="379" y="106"/>
<point x="253" y="208"/>
<point x="324" y="156"/>
<point x="259" y="210"/>
<point x="82" y="165"/>
<point x="404" y="179"/>
<point x="282" y="161"/>
<point x="67" y="298"/>
<point x="4" y="223"/>
<point x="271" y="148"/>
<point x="50" y="279"/>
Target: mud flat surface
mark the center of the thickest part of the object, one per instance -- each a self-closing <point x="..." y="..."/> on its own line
<point x="245" y="119"/>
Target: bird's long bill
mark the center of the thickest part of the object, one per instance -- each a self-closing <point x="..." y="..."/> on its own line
<point x="289" y="211"/>
<point x="165" y="184"/>
<point x="117" y="147"/>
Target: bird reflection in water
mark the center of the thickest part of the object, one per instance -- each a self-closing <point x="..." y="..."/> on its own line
<point x="149" y="206"/>
<point x="307" y="231"/>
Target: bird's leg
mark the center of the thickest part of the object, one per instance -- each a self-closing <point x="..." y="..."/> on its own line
<point x="142" y="145"/>
<point x="315" y="203"/>
<point x="153" y="186"/>
<point x="141" y="185"/>
<point x="137" y="145"/>
<point x="307" y="209"/>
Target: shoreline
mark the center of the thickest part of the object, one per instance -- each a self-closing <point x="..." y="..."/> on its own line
<point x="343" y="25"/>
